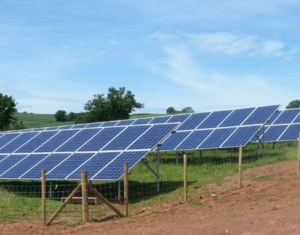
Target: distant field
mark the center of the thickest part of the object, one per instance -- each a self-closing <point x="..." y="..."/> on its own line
<point x="32" y="120"/>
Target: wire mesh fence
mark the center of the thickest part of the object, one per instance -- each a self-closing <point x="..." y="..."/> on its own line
<point x="21" y="200"/>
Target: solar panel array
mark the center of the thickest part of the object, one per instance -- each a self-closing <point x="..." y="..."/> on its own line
<point x="64" y="152"/>
<point x="219" y="129"/>
<point x="284" y="125"/>
<point x="102" y="148"/>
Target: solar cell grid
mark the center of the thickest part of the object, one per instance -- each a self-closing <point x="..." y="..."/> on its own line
<point x="79" y="126"/>
<point x="125" y="122"/>
<point x="23" y="166"/>
<point x="159" y="119"/>
<point x="178" y="118"/>
<point x="126" y="137"/>
<point x="260" y="115"/>
<point x="237" y="117"/>
<point x="17" y="142"/>
<point x="142" y="121"/>
<point x="151" y="137"/>
<point x="97" y="162"/>
<point x="68" y="166"/>
<point x="65" y="127"/>
<point x="48" y="163"/>
<point x="101" y="139"/>
<point x="115" y="170"/>
<point x="273" y="133"/>
<point x="2" y="157"/>
<point x="5" y="139"/>
<point x="10" y="161"/>
<point x="174" y="140"/>
<point x="216" y="139"/>
<point x="113" y="123"/>
<point x="241" y="136"/>
<point x="56" y="141"/>
<point x="98" y="124"/>
<point x="287" y="116"/>
<point x="214" y="119"/>
<point x="194" y="139"/>
<point x="193" y="121"/>
<point x="291" y="133"/>
<point x="273" y="117"/>
<point x="78" y="140"/>
<point x="36" y="141"/>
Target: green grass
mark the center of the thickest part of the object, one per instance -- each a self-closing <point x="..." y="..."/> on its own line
<point x="31" y="120"/>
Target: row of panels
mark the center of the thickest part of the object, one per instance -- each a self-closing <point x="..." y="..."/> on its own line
<point x="280" y="132"/>
<point x="288" y="116"/>
<point x="100" y="166"/>
<point x="209" y="139"/>
<point x="83" y="140"/>
<point x="225" y="118"/>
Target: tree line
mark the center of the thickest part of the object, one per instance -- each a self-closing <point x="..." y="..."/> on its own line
<point x="116" y="105"/>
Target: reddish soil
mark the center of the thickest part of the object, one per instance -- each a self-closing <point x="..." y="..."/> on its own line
<point x="266" y="205"/>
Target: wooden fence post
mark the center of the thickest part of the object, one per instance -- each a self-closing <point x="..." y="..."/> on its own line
<point x="85" y="204"/>
<point x="44" y="196"/>
<point x="299" y="153"/>
<point x="185" y="193"/>
<point x="125" y="188"/>
<point x="240" y="165"/>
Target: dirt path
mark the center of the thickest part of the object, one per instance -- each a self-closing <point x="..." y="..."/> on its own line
<point x="269" y="203"/>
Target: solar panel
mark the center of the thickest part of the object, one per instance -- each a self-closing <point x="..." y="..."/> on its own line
<point x="174" y="140"/>
<point x="260" y="115"/>
<point x="98" y="124"/>
<point x="125" y="122"/>
<point x="113" y="123"/>
<point x="240" y="136"/>
<point x="216" y="139"/>
<point x="193" y="140"/>
<point x="5" y="139"/>
<point x="291" y="133"/>
<point x="237" y="117"/>
<point x="142" y="121"/>
<point x="10" y="161"/>
<point x="287" y="116"/>
<point x="178" y="118"/>
<point x="160" y="119"/>
<point x="214" y="120"/>
<point x="18" y="141"/>
<point x="193" y="121"/>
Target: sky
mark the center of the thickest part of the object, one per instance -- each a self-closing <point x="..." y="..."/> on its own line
<point x="208" y="55"/>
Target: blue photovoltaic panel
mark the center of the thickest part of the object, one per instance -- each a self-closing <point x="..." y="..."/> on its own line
<point x="64" y="127"/>
<point x="152" y="136"/>
<point x="79" y="126"/>
<point x="125" y="122"/>
<point x="78" y="140"/>
<point x="173" y="140"/>
<point x="101" y="139"/>
<point x="37" y="141"/>
<point x="115" y="170"/>
<point x="17" y="142"/>
<point x="297" y="120"/>
<point x="194" y="140"/>
<point x="214" y="119"/>
<point x="159" y="119"/>
<point x="39" y="129"/>
<point x="193" y="121"/>
<point x="96" y="163"/>
<point x="48" y="163"/>
<point x="123" y="140"/>
<point x="237" y="117"/>
<point x="56" y="141"/>
<point x="10" y="161"/>
<point x="7" y="138"/>
<point x="273" y="133"/>
<point x="69" y="165"/>
<point x="26" y="130"/>
<point x="273" y="117"/>
<point x="291" y="133"/>
<point x="142" y="121"/>
<point x="216" y="139"/>
<point x="23" y="166"/>
<point x="178" y="118"/>
<point x="287" y="116"/>
<point x="2" y="157"/>
<point x="241" y="136"/>
<point x="109" y="123"/>
<point x="98" y="124"/>
<point x="260" y="115"/>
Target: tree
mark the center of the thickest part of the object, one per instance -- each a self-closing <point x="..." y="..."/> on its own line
<point x="60" y="116"/>
<point x="171" y="110"/>
<point x="187" y="110"/>
<point x="116" y="106"/>
<point x="293" y="104"/>
<point x="7" y="111"/>
<point x="72" y="116"/>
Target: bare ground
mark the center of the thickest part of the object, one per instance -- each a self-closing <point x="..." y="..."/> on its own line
<point x="268" y="203"/>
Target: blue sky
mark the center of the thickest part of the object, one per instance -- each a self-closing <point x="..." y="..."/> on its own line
<point x="210" y="55"/>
